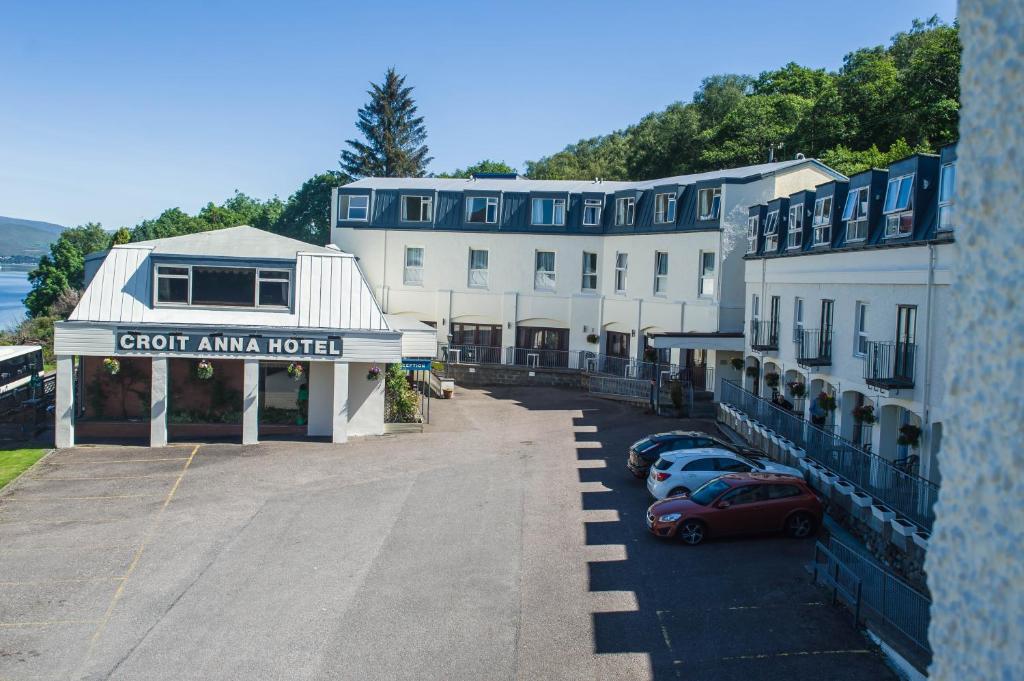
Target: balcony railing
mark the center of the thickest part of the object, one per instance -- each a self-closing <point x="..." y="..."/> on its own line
<point x="472" y="354"/>
<point x="813" y="347"/>
<point x="890" y="365"/>
<point x="764" y="335"/>
<point x="547" y="359"/>
<point x="909" y="495"/>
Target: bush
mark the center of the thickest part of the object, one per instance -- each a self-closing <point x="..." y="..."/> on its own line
<point x="400" y="400"/>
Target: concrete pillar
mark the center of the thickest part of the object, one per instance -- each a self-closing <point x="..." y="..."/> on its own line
<point x="158" y="403"/>
<point x="64" y="418"/>
<point x="250" y="402"/>
<point x="339" y="403"/>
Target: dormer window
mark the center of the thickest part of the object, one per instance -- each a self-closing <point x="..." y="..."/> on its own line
<point x="947" y="190"/>
<point x="482" y="209"/>
<point x="709" y="202"/>
<point x="548" y="212"/>
<point x="222" y="286"/>
<point x="664" y="208"/>
<point x="795" y="235"/>
<point x="354" y="207"/>
<point x="771" y="232"/>
<point x="752" y="233"/>
<point x="898" y="207"/>
<point x="822" y="221"/>
<point x="417" y="209"/>
<point x="855" y="214"/>
<point x="625" y="211"/>
<point x="592" y="209"/>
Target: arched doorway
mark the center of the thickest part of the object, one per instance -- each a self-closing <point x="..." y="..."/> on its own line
<point x="900" y="436"/>
<point x="823" y="404"/>
<point x="751" y="375"/>
<point x="858" y="417"/>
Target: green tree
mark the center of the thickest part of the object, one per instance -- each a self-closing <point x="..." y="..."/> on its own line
<point x="64" y="267"/>
<point x="604" y="157"/>
<point x="307" y="213"/>
<point x="172" y="222"/>
<point x="850" y="162"/>
<point x="485" y="166"/>
<point x="928" y="60"/>
<point x="121" y="236"/>
<point x="718" y="95"/>
<point x="758" y="128"/>
<point x="394" y="135"/>
<point x="869" y="85"/>
<point x="665" y="143"/>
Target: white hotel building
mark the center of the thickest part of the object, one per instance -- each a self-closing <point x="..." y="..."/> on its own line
<point x="518" y="271"/>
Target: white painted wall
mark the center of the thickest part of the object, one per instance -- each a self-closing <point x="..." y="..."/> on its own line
<point x="365" y="402"/>
<point x="321" y="386"/>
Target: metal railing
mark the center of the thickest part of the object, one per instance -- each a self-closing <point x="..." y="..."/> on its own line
<point x="843" y="581"/>
<point x="764" y="335"/>
<point x="638" y="390"/>
<point x="909" y="495"/>
<point x="546" y="359"/>
<point x="890" y="365"/>
<point x="473" y="354"/>
<point x="886" y="596"/>
<point x="814" y="347"/>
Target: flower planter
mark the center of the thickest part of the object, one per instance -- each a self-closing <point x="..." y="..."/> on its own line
<point x="921" y="539"/>
<point x="842" y="492"/>
<point x="447" y="387"/>
<point x="805" y="466"/>
<point x="827" y="481"/>
<point x="860" y="505"/>
<point x="901" y="532"/>
<point x="880" y="518"/>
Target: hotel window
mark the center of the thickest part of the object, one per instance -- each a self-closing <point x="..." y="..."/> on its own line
<point x="224" y="286"/>
<point x="621" y="268"/>
<point x="860" y="325"/>
<point x="482" y="209"/>
<point x="548" y="212"/>
<point x="707" y="274"/>
<point x="752" y="233"/>
<point x="709" y="202"/>
<point x="898" y="207"/>
<point x="660" y="273"/>
<point x="354" y="207"/>
<point x="592" y="209"/>
<point x="795" y="235"/>
<point x="172" y="284"/>
<point x="417" y="209"/>
<point x="947" y="190"/>
<point x="855" y="214"/>
<point x="771" y="232"/>
<point x="798" y="318"/>
<point x="589" y="282"/>
<point x="625" y="209"/>
<point x="544" y="271"/>
<point x="412" y="275"/>
<point x="822" y="221"/>
<point x="274" y="288"/>
<point x="665" y="208"/>
<point x="755" y="306"/>
<point x="477" y="268"/>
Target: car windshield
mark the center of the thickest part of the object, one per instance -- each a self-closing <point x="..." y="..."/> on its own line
<point x="662" y="464"/>
<point x="753" y="463"/>
<point x="644" y="445"/>
<point x="709" y="492"/>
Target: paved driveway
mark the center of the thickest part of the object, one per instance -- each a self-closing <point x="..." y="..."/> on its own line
<point x="507" y="542"/>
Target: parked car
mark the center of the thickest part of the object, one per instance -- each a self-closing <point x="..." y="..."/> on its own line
<point x="676" y="473"/>
<point x="738" y="503"/>
<point x="643" y="453"/>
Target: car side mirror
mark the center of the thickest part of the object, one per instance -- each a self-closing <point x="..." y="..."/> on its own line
<point x="723" y="504"/>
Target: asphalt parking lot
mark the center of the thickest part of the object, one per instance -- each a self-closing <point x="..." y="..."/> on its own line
<point x="505" y="542"/>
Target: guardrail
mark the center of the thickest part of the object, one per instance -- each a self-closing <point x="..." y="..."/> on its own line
<point x="473" y="354"/>
<point x="907" y="494"/>
<point x="841" y="579"/>
<point x="638" y="390"/>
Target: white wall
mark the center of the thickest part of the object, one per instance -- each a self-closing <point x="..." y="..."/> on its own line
<point x="321" y="387"/>
<point x="365" y="401"/>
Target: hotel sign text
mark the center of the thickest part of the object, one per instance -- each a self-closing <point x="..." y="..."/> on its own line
<point x="227" y="344"/>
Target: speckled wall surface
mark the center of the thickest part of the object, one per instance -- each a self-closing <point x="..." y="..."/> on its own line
<point x="975" y="566"/>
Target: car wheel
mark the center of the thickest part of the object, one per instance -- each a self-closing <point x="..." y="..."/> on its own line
<point x="799" y="525"/>
<point x="692" y="532"/>
<point x="676" y="491"/>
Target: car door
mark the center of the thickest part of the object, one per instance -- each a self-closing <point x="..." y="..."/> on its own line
<point x="779" y="504"/>
<point x="696" y="472"/>
<point x="745" y="511"/>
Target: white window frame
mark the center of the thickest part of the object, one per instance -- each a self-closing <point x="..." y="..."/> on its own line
<point x="555" y="203"/>
<point x="899" y="214"/>
<point x="426" y="206"/>
<point x="753" y="223"/>
<point x="537" y="272"/>
<point x="621" y="271"/>
<point x="482" y="278"/>
<point x="706" y="282"/>
<point x="946" y="204"/>
<point x="714" y="205"/>
<point x="625" y="211"/>
<point x="822" y="222"/>
<point x="260" y="279"/>
<point x="490" y="202"/>
<point x="595" y="207"/>
<point x="795" y="229"/>
<point x="771" y="231"/>
<point x="660" y="278"/>
<point x="412" y="275"/>
<point x="347" y="199"/>
<point x="798" y="317"/>
<point x="755" y="307"/>
<point x="860" y="329"/>
<point x="664" y="208"/>
<point x="156" y="284"/>
<point x="583" y="279"/>
<point x="856" y="216"/>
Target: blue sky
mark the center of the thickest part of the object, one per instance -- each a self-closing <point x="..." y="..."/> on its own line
<point x="115" y="111"/>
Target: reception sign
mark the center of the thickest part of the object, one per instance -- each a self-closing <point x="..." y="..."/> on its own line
<point x="227" y="343"/>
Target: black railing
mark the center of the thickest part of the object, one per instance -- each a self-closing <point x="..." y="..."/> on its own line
<point x="541" y="358"/>
<point x="909" y="495"/>
<point x="813" y="347"/>
<point x="764" y="335"/>
<point x="890" y="365"/>
<point x="473" y="354"/>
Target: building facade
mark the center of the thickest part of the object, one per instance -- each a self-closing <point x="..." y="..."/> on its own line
<point x="848" y="296"/>
<point x="518" y="271"/>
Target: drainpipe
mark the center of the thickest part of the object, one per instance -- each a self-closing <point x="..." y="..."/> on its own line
<point x="926" y="399"/>
<point x="384" y="273"/>
<point x="761" y="302"/>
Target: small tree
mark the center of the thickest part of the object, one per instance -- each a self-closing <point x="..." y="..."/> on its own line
<point x="400" y="400"/>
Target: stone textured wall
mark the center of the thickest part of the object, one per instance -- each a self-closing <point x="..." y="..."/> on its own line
<point x="484" y="375"/>
<point x="975" y="566"/>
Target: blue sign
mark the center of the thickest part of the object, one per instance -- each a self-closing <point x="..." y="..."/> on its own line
<point x="416" y="364"/>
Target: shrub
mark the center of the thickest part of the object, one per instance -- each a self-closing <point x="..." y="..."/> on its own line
<point x="865" y="413"/>
<point x="909" y="435"/>
<point x="400" y="401"/>
<point x="737" y="363"/>
<point x="771" y="379"/>
<point x="797" y="388"/>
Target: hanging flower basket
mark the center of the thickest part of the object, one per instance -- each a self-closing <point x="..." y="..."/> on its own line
<point x="593" y="338"/>
<point x="797" y="388"/>
<point x="296" y="371"/>
<point x="826" y="402"/>
<point x="373" y="374"/>
<point x="112" y="366"/>
<point x="865" y="413"/>
<point x="737" y="363"/>
<point x="771" y="379"/>
<point x="204" y="370"/>
<point x="752" y="371"/>
<point x="650" y="355"/>
<point x="910" y="435"/>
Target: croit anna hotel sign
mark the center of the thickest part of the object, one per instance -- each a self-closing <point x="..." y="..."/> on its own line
<point x="216" y="343"/>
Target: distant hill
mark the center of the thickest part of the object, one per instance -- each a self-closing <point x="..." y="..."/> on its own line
<point x="26" y="237"/>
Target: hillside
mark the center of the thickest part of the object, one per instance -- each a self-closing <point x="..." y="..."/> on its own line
<point x="29" y="238"/>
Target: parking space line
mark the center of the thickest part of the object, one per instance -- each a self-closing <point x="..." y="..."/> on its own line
<point x="46" y="623"/>
<point x="105" y="619"/>
<point x="96" y="498"/>
<point x="74" y="580"/>
<point x="48" y="478"/>
<point x="87" y="547"/>
<point x="89" y="463"/>
<point x="798" y="653"/>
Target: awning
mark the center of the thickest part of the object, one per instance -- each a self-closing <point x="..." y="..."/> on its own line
<point x="696" y="340"/>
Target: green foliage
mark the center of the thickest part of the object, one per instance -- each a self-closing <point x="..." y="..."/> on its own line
<point x="400" y="400"/>
<point x="121" y="236"/>
<point x="307" y="214"/>
<point x="393" y="134"/>
<point x="485" y="166"/>
<point x="849" y="162"/>
<point x="64" y="267"/>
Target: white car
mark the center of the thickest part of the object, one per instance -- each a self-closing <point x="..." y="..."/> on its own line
<point x="680" y="472"/>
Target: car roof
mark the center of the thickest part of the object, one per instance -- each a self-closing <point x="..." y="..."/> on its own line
<point x="741" y="478"/>
<point x="679" y="433"/>
<point x="698" y="453"/>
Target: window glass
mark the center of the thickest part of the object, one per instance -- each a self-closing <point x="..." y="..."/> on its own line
<point x="413" y="272"/>
<point x="544" y="272"/>
<point x="592" y="209"/>
<point x="747" y="494"/>
<point x="662" y="464"/>
<point x="707" y="274"/>
<point x="665" y="208"/>
<point x="752" y="233"/>
<point x="794" y="238"/>
<point x="732" y="465"/>
<point x="897" y="195"/>
<point x="660" y="272"/>
<point x="274" y="288"/>
<point x="947" y="182"/>
<point x="482" y="209"/>
<point x="621" y="267"/>
<point x="417" y="208"/>
<point x="548" y="212"/>
<point x="708" y="492"/>
<point x="589" y="282"/>
<point x="235" y="286"/>
<point x="624" y="211"/>
<point x="478" y="268"/>
<point x="861" y="324"/>
<point x="708" y="203"/>
<point x="849" y="210"/>
<point x="783" y="491"/>
<point x="172" y="284"/>
<point x="706" y="464"/>
<point x="355" y="207"/>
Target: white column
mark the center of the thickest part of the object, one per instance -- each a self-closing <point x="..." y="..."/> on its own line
<point x="64" y="418"/>
<point x="158" y="403"/>
<point x="339" y="403"/>
<point x="250" y="402"/>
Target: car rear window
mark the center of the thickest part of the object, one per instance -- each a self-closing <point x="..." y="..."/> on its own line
<point x="644" y="445"/>
<point x="662" y="464"/>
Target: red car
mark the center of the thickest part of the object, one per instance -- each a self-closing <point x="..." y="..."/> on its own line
<point x="738" y="503"/>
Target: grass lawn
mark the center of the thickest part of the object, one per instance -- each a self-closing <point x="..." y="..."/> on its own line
<point x="14" y="461"/>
